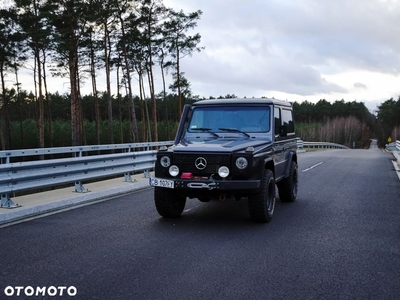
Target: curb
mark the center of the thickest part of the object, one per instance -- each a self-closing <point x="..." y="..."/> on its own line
<point x="396" y="162"/>
<point x="22" y="213"/>
<point x="396" y="155"/>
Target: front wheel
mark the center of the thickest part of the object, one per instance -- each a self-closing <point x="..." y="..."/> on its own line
<point x="169" y="204"/>
<point x="262" y="203"/>
<point x="288" y="187"/>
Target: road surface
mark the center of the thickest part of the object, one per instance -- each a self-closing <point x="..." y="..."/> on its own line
<point x="340" y="240"/>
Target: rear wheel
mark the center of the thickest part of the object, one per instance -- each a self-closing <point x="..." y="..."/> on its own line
<point x="169" y="203"/>
<point x="288" y="186"/>
<point x="262" y="204"/>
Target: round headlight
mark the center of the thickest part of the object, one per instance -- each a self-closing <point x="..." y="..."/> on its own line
<point x="173" y="170"/>
<point x="223" y="172"/>
<point x="165" y="161"/>
<point x="241" y="163"/>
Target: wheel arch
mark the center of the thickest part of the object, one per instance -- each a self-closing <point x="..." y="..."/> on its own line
<point x="269" y="164"/>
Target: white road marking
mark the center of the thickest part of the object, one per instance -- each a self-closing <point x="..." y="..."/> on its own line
<point x="189" y="209"/>
<point x="312" y="167"/>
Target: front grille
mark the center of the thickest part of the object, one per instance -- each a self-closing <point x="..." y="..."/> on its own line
<point x="186" y="162"/>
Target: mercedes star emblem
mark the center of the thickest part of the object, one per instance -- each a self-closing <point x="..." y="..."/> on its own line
<point x="200" y="163"/>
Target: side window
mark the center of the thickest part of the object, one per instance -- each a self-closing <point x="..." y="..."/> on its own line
<point x="287" y="119"/>
<point x="277" y="114"/>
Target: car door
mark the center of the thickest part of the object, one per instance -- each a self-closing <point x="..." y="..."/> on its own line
<point x="279" y="143"/>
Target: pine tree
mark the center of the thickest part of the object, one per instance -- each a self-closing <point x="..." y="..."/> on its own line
<point x="179" y="43"/>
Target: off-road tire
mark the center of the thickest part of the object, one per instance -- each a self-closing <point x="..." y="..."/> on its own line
<point x="262" y="204"/>
<point x="288" y="187"/>
<point x="169" y="204"/>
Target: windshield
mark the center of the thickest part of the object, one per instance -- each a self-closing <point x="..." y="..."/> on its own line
<point x="228" y="119"/>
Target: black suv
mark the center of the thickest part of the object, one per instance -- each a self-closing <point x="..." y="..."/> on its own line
<point x="229" y="148"/>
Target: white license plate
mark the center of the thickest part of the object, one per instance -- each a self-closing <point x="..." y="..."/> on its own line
<point x="161" y="182"/>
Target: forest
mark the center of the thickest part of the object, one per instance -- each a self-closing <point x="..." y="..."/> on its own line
<point x="128" y="40"/>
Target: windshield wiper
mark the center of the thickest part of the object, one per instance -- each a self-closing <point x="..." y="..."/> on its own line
<point x="234" y="130"/>
<point x="203" y="129"/>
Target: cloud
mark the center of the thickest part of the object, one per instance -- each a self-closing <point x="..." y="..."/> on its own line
<point x="359" y="85"/>
<point x="295" y="50"/>
<point x="293" y="47"/>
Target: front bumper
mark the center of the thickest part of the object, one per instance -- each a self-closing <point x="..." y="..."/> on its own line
<point x="216" y="185"/>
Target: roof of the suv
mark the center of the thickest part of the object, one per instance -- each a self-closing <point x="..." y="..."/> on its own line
<point x="237" y="101"/>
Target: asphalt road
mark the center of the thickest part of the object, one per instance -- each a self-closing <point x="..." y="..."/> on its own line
<point x="340" y="240"/>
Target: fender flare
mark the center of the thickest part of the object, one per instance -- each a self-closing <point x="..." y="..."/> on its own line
<point x="268" y="161"/>
<point x="289" y="162"/>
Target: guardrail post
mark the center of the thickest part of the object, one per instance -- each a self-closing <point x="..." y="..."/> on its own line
<point x="79" y="188"/>
<point x="5" y="160"/>
<point x="127" y="175"/>
<point x="6" y="202"/>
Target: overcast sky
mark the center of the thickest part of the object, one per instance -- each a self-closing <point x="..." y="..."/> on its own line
<point x="296" y="50"/>
<point x="292" y="50"/>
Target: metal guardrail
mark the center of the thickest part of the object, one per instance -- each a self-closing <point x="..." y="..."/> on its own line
<point x="78" y="151"/>
<point x="31" y="175"/>
<point x="319" y="145"/>
<point x="38" y="174"/>
<point x="396" y="153"/>
<point x="300" y="144"/>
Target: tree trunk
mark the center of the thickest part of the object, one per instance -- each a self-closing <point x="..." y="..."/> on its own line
<point x="178" y="78"/>
<point x="76" y="117"/>
<point x="142" y="114"/>
<point x="153" y="99"/>
<point x="20" y="107"/>
<point x="82" y="127"/>
<point x="6" y="136"/>
<point x="94" y="90"/>
<point x="135" y="131"/>
<point x="108" y="84"/>
<point x="164" y="93"/>
<point x="151" y="85"/>
<point x="48" y="102"/>
<point x="40" y="120"/>
<point x="121" y="133"/>
<point x="146" y="118"/>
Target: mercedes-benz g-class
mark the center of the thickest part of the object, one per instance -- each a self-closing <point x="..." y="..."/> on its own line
<point x="229" y="148"/>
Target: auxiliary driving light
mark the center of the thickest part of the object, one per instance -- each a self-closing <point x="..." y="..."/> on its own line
<point x="223" y="172"/>
<point x="173" y="170"/>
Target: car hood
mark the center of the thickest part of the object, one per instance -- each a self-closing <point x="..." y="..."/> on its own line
<point x="221" y="145"/>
